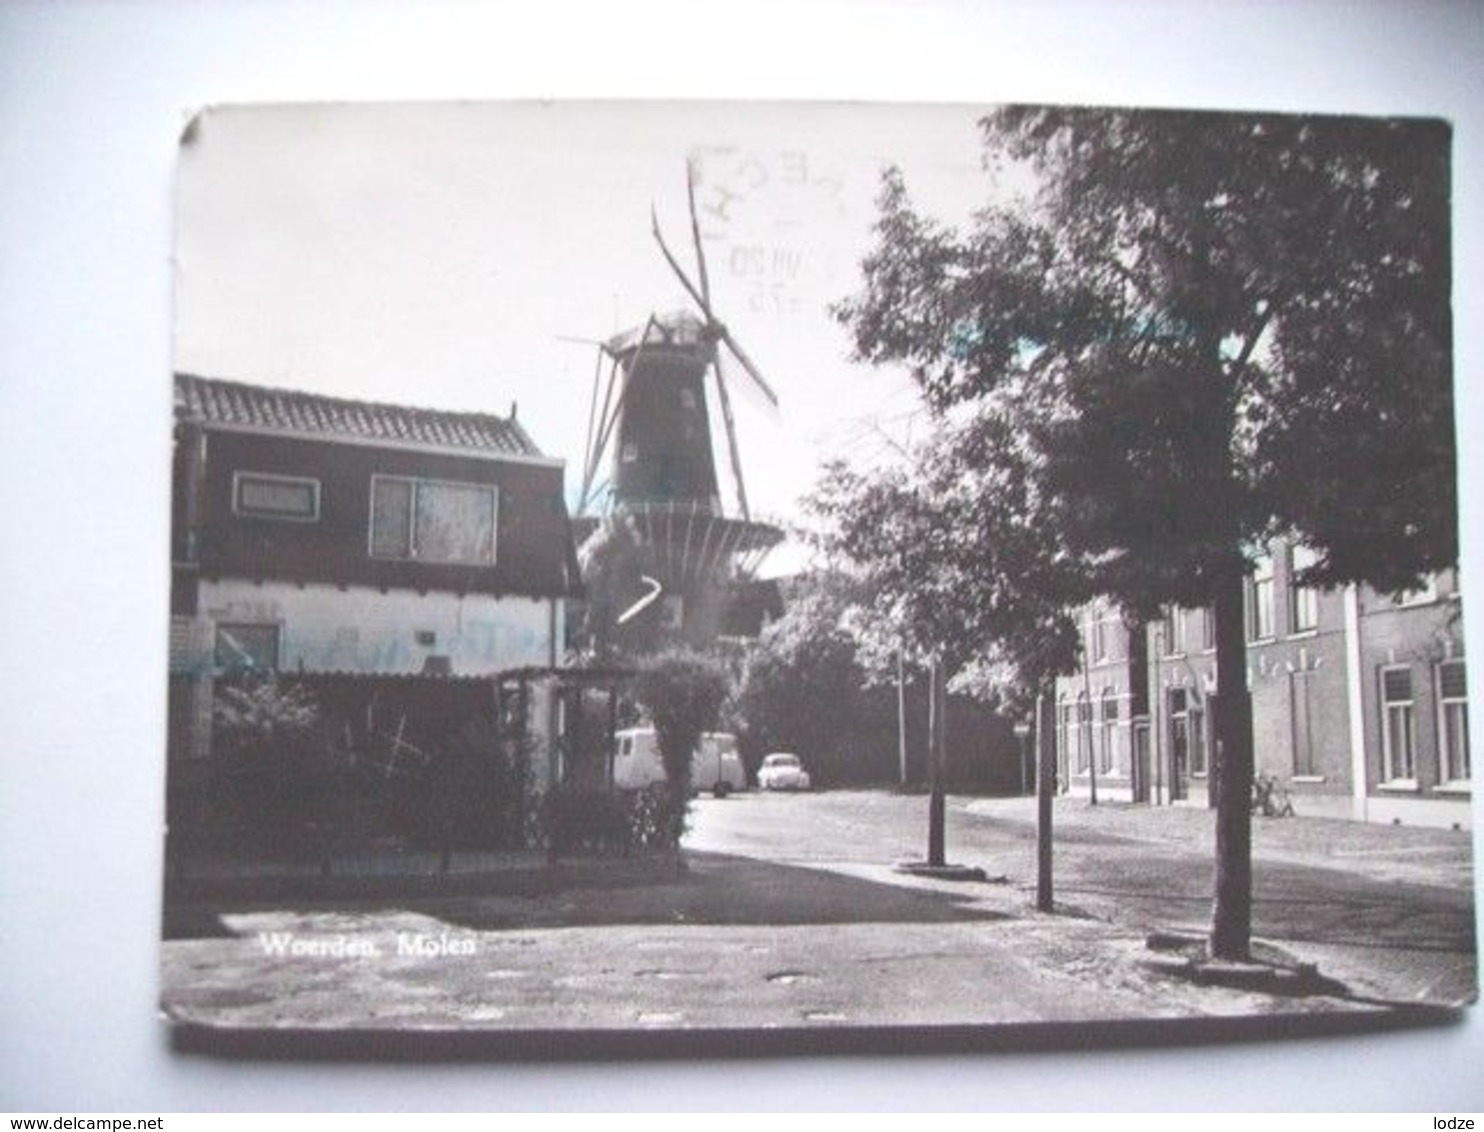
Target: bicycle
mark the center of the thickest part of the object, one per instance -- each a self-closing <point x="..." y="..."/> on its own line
<point x="1269" y="798"/>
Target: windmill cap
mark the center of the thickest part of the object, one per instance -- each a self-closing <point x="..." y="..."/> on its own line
<point x="677" y="328"/>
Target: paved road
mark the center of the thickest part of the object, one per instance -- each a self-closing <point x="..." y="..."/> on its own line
<point x="790" y="915"/>
<point x="734" y="941"/>
<point x="1387" y="910"/>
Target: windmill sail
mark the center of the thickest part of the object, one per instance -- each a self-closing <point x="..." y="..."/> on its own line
<point x="654" y="428"/>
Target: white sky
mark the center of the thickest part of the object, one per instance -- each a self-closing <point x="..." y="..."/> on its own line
<point x="432" y="254"/>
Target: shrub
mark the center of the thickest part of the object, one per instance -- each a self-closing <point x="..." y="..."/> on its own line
<point x="584" y="819"/>
<point x="257" y="718"/>
<point x="683" y="691"/>
<point x="579" y="818"/>
<point x="657" y="817"/>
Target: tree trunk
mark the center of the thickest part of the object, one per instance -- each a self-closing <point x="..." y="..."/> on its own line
<point x="1045" y="788"/>
<point x="1231" y="920"/>
<point x="937" y="703"/>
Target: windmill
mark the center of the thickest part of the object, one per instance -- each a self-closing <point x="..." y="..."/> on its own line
<point x="650" y="422"/>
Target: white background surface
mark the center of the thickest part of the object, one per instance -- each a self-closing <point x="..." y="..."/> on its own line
<point x="92" y="97"/>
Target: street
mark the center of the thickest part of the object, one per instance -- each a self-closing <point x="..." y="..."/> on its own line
<point x="1387" y="910"/>
<point x="789" y="914"/>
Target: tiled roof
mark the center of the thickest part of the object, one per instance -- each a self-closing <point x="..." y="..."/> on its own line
<point x="234" y="404"/>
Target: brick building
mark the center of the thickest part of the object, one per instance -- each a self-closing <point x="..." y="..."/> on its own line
<point x="1359" y="700"/>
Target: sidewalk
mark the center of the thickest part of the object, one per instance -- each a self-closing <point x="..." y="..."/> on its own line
<point x="1413" y="854"/>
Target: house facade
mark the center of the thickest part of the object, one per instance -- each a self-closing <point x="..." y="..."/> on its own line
<point x="1102" y="713"/>
<point x="1359" y="700"/>
<point x="328" y="538"/>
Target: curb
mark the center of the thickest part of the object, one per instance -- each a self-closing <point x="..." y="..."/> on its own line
<point x="1268" y="970"/>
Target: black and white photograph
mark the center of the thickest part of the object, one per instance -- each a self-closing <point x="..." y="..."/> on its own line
<point x="811" y="576"/>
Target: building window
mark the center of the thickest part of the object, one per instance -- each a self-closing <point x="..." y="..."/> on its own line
<point x="259" y="495"/>
<point x="1179" y="732"/>
<point x="1173" y="626"/>
<point x="1453" y="722"/>
<point x="1084" y="732"/>
<point x="1208" y="628"/>
<point x="1260" y="615"/>
<point x="1305" y="615"/>
<point x="1187" y="732"/>
<point x="433" y="520"/>
<point x="1098" y="636"/>
<point x="1071" y="738"/>
<point x="1420" y="594"/>
<point x="1205" y="726"/>
<point x="1108" y="752"/>
<point x="243" y="647"/>
<point x="1300" y="699"/>
<point x="1199" y="748"/>
<point x="1398" y="741"/>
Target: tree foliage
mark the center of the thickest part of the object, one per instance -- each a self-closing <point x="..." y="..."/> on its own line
<point x="1201" y="332"/>
<point x="683" y="692"/>
<point x="258" y="716"/>
<point x="805" y="687"/>
<point x="956" y="560"/>
<point x="1218" y="328"/>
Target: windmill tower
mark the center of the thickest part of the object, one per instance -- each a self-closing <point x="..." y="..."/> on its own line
<point x="651" y="427"/>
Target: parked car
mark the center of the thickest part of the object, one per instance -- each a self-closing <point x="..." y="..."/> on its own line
<point x="782" y="771"/>
<point x="715" y="765"/>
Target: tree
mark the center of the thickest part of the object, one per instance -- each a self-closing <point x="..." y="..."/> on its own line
<point x="955" y="559"/>
<point x="959" y="571"/>
<point x="683" y="691"/>
<point x="804" y="686"/>
<point x="1217" y="330"/>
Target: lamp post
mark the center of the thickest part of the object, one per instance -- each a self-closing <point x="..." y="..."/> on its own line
<point x="901" y="720"/>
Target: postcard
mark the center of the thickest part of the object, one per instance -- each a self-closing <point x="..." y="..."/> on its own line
<point x="660" y="576"/>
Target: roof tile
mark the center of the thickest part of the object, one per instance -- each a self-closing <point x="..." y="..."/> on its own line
<point x="310" y="414"/>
